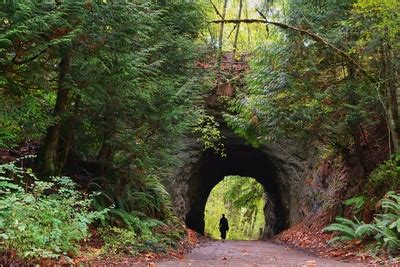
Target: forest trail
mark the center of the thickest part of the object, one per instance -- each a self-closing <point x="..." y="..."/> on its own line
<point x="250" y="253"/>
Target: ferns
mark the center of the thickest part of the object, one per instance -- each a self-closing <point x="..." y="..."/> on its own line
<point x="346" y="228"/>
<point x="133" y="198"/>
<point x="356" y="202"/>
<point x="385" y="228"/>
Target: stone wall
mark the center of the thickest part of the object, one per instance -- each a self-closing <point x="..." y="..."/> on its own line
<point x="282" y="169"/>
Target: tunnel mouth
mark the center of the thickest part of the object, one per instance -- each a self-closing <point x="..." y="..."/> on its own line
<point x="241" y="160"/>
<point x="242" y="200"/>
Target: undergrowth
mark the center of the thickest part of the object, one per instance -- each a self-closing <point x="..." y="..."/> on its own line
<point x="383" y="231"/>
<point x="49" y="219"/>
<point x="42" y="219"/>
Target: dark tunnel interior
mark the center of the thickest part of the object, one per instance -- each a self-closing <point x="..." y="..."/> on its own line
<point x="242" y="160"/>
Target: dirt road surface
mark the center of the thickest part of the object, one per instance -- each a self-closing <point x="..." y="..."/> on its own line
<point x="249" y="253"/>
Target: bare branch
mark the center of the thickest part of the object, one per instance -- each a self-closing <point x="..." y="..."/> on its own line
<point x="216" y="10"/>
<point x="313" y="36"/>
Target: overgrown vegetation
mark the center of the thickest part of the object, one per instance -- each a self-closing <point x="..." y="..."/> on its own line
<point x="327" y="78"/>
<point x="241" y="199"/>
<point x="108" y="89"/>
<point x="302" y="89"/>
<point x="384" y="229"/>
<point x="151" y="237"/>
<point x="42" y="219"/>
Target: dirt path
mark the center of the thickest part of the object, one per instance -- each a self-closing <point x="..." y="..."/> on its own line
<point x="250" y="253"/>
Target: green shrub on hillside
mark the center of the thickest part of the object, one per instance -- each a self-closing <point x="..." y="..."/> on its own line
<point x="42" y="219"/>
<point x="385" y="228"/>
<point x="128" y="241"/>
<point x="346" y="229"/>
<point x="386" y="177"/>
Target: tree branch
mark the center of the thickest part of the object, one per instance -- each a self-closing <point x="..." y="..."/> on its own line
<point x="313" y="36"/>
<point x="216" y="10"/>
<point x="14" y="61"/>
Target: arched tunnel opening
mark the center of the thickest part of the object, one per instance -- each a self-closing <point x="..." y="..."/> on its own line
<point x="242" y="160"/>
<point x="242" y="201"/>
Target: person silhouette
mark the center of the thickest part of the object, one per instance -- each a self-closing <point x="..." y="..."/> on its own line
<point x="223" y="227"/>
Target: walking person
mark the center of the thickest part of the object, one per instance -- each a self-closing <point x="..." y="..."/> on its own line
<point x="223" y="227"/>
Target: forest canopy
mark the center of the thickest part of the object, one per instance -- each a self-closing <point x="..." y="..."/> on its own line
<point x="96" y="98"/>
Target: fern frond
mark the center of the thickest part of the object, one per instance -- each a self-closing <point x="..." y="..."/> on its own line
<point x="342" y="229"/>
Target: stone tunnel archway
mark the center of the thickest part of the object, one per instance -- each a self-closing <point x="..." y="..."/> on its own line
<point x="280" y="168"/>
<point x="242" y="160"/>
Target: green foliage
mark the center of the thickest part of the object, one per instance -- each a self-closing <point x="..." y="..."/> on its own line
<point x="303" y="90"/>
<point x="42" y="219"/>
<point x="127" y="241"/>
<point x="241" y="199"/>
<point x="138" y="199"/>
<point x="210" y="135"/>
<point x="346" y="229"/>
<point x="385" y="228"/>
<point x="27" y="119"/>
<point x="117" y="240"/>
<point x="386" y="177"/>
<point x="112" y="84"/>
<point x="356" y="202"/>
<point x="250" y="35"/>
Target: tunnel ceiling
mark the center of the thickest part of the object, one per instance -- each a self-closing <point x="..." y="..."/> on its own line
<point x="242" y="160"/>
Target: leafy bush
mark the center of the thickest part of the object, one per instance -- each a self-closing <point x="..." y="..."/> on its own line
<point x="133" y="198"/>
<point x="42" y="219"/>
<point x="119" y="240"/>
<point x="385" y="228"/>
<point x="357" y="203"/>
<point x="347" y="230"/>
<point x="210" y="135"/>
<point x="127" y="241"/>
<point x="386" y="177"/>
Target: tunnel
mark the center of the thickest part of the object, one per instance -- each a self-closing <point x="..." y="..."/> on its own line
<point x="241" y="160"/>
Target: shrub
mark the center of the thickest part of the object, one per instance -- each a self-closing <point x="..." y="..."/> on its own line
<point x="357" y="203"/>
<point x="346" y="229"/>
<point x="386" y="177"/>
<point x="127" y="241"/>
<point x="119" y="240"/>
<point x="42" y="219"/>
<point x="148" y="235"/>
<point x="133" y="198"/>
<point x="385" y="227"/>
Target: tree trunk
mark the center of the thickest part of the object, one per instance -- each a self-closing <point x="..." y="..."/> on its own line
<point x="104" y="158"/>
<point x="50" y="165"/>
<point x="355" y="127"/>
<point x="392" y="94"/>
<point x="221" y="30"/>
<point x="68" y="135"/>
<point x="237" y="30"/>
